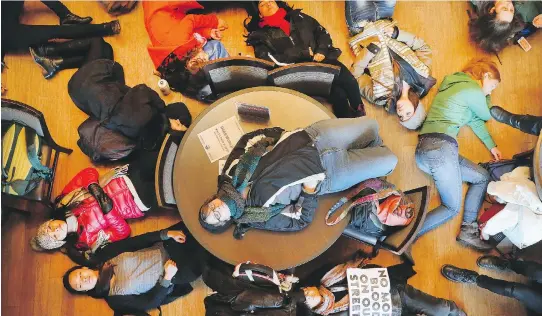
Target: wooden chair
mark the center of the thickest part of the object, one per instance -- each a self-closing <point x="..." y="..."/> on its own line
<point x="226" y="75"/>
<point x="164" y="174"/>
<point x="398" y="242"/>
<point x="39" y="199"/>
<point x="314" y="79"/>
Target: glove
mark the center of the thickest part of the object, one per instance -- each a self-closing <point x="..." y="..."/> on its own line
<point x="105" y="202"/>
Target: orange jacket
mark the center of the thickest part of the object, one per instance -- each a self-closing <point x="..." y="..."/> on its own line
<point x="172" y="30"/>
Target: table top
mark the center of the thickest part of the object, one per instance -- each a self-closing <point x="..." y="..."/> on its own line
<point x="195" y="180"/>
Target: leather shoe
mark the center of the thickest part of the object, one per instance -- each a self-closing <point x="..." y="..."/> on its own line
<point x="493" y="262"/>
<point x="458" y="275"/>
<point x="71" y="18"/>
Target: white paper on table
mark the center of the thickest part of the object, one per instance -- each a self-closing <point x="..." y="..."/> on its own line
<point x="219" y="140"/>
<point x="369" y="292"/>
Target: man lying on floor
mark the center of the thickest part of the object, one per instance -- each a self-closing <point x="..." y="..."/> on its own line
<point x="272" y="178"/>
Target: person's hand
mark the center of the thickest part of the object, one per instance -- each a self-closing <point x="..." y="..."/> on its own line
<point x="497" y="155"/>
<point x="216" y="34"/>
<point x="170" y="268"/>
<point x="537" y="21"/>
<point x="222" y="25"/>
<point x="388" y="30"/>
<point x="177" y="235"/>
<point x="310" y="186"/>
<point x="318" y="57"/>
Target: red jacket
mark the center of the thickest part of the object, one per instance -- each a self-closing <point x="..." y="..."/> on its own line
<point x="170" y="29"/>
<point x="90" y="217"/>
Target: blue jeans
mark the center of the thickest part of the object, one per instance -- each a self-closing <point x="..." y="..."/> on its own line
<point x="215" y="49"/>
<point x="351" y="151"/>
<point x="438" y="156"/>
<point x="366" y="10"/>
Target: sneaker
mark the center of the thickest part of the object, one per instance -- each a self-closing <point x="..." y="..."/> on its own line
<point x="493" y="262"/>
<point x="458" y="275"/>
<point x="469" y="236"/>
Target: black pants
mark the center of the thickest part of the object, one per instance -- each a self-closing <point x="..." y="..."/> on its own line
<point x="529" y="295"/>
<point x="345" y="97"/>
<point x="76" y="53"/>
<point x="57" y="7"/>
<point x="16" y="36"/>
<point x="417" y="302"/>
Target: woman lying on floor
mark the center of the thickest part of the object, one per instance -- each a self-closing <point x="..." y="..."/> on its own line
<point x="254" y="288"/>
<point x="283" y="35"/>
<point x="141" y="273"/>
<point x="181" y="44"/>
<point x="276" y="189"/>
<point x="393" y="67"/>
<point x="496" y="24"/>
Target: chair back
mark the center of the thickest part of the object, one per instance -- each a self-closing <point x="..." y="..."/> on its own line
<point x="537" y="165"/>
<point x="400" y="240"/>
<point x="226" y="75"/>
<point x="164" y="174"/>
<point x="314" y="79"/>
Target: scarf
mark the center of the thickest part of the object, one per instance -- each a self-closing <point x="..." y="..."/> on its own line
<point x="231" y="192"/>
<point x="277" y="20"/>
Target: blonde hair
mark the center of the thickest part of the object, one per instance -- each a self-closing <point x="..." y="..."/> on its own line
<point x="477" y="68"/>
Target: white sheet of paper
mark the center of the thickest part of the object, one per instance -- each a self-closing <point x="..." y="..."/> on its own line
<point x="219" y="140"/>
<point x="369" y="292"/>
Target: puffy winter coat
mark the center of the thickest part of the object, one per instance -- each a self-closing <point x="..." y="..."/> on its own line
<point x="271" y="43"/>
<point x="90" y="218"/>
<point x="171" y="30"/>
<point x="121" y="118"/>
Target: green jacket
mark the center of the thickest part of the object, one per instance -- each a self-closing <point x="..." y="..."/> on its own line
<point x="460" y="101"/>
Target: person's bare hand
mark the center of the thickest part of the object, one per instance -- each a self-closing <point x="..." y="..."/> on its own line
<point x="537" y="21"/>
<point x="497" y="155"/>
<point x="170" y="268"/>
<point x="177" y="235"/>
<point x="216" y="34"/>
<point x="222" y="25"/>
<point x="318" y="57"/>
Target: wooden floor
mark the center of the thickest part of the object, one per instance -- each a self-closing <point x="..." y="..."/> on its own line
<point x="31" y="282"/>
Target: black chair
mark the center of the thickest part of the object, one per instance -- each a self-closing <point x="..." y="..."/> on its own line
<point x="398" y="242"/>
<point x="314" y="79"/>
<point x="537" y="165"/>
<point x="226" y="75"/>
<point x="164" y="174"/>
<point x="39" y="199"/>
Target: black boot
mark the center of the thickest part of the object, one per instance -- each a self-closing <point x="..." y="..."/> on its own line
<point x="456" y="274"/>
<point x="49" y="66"/>
<point x="106" y="203"/>
<point x="469" y="236"/>
<point x="68" y="48"/>
<point x="71" y="18"/>
<point x="493" y="262"/>
<point x="526" y="123"/>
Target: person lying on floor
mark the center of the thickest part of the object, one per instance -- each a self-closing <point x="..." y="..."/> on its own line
<point x="123" y="119"/>
<point x="258" y="289"/>
<point x="497" y="24"/>
<point x="90" y="212"/>
<point x="393" y="67"/>
<point x="141" y="273"/>
<point x="181" y="44"/>
<point x="284" y="36"/>
<point x="272" y="178"/>
<point x="529" y="295"/>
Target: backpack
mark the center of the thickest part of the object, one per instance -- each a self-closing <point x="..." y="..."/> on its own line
<point x="22" y="169"/>
<point x="497" y="168"/>
<point x="378" y="208"/>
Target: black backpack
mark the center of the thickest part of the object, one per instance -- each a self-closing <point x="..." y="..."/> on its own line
<point x="497" y="168"/>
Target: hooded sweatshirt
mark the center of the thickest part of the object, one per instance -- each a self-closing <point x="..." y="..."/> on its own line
<point x="460" y="101"/>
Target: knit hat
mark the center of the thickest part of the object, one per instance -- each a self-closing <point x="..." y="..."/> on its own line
<point x="44" y="241"/>
<point x="417" y="119"/>
<point x="215" y="229"/>
<point x="179" y="111"/>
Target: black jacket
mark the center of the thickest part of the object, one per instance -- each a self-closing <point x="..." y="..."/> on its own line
<point x="305" y="32"/>
<point x="291" y="160"/>
<point x="238" y="297"/>
<point x="190" y="258"/>
<point x="122" y="119"/>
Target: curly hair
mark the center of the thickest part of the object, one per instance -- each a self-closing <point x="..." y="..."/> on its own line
<point x="253" y="19"/>
<point x="491" y="34"/>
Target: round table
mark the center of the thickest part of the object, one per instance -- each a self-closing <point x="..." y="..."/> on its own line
<point x="195" y="180"/>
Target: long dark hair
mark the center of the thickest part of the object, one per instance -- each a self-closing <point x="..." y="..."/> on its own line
<point x="413" y="95"/>
<point x="488" y="32"/>
<point x="251" y="22"/>
<point x="101" y="289"/>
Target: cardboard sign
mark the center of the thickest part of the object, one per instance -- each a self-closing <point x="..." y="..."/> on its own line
<point x="369" y="292"/>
